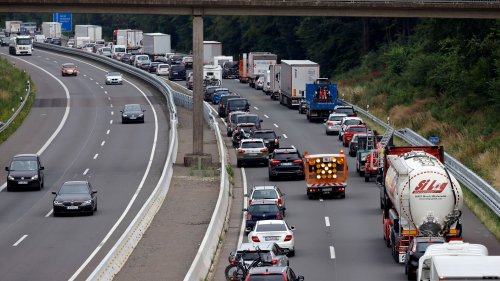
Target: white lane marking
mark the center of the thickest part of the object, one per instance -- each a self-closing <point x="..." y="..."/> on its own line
<point x="332" y="253"/>
<point x="327" y="221"/>
<point x="86" y="171"/>
<point x="106" y="92"/>
<point x="243" y="221"/>
<point x="111" y="105"/>
<point x="20" y="240"/>
<point x="224" y="121"/>
<point x="49" y="213"/>
<point x="256" y="108"/>
<point x="109" y="98"/>
<point x="102" y="143"/>
<point x="63" y="120"/>
<point x="85" y="75"/>
<point x="275" y="125"/>
<point x="293" y="147"/>
<point x="107" y="132"/>
<point x="102" y="87"/>
<point x="91" y="79"/>
<point x="284" y="135"/>
<point x="55" y="61"/>
<point x="112" y="113"/>
<point x="266" y="116"/>
<point x="97" y="83"/>
<point x="96" y="155"/>
<point x="111" y="121"/>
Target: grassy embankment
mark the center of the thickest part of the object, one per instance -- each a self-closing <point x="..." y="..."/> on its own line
<point x="12" y="88"/>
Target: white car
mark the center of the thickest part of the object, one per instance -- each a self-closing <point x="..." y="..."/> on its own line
<point x="114" y="78"/>
<point x="348" y="121"/>
<point x="268" y="192"/>
<point x="104" y="51"/>
<point x="276" y="231"/>
<point x="141" y="59"/>
<point x="162" y="69"/>
<point x="332" y="125"/>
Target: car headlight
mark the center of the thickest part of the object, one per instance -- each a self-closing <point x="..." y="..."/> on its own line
<point x="10" y="178"/>
<point x="57" y="202"/>
<point x="35" y="177"/>
<point x="140" y="115"/>
<point x="124" y="115"/>
<point x="88" y="202"/>
<point x="363" y="158"/>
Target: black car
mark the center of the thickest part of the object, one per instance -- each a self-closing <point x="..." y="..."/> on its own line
<point x="56" y="41"/>
<point x="75" y="197"/>
<point x="273" y="273"/>
<point x="144" y="65"/>
<point x="345" y="109"/>
<point x="262" y="209"/>
<point x="223" y="102"/>
<point x="230" y="70"/>
<point x="302" y="106"/>
<point x="126" y="58"/>
<point x="25" y="171"/>
<point x="209" y="93"/>
<point x="271" y="140"/>
<point x="175" y="59"/>
<point x="177" y="72"/>
<point x="153" y="66"/>
<point x="240" y="104"/>
<point x="286" y="162"/>
<point x="416" y="250"/>
<point x="132" y="113"/>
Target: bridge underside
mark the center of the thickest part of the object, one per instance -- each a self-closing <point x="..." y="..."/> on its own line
<point x="373" y="8"/>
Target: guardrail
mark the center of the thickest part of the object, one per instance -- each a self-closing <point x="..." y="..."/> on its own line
<point x="4" y="126"/>
<point x="485" y="191"/>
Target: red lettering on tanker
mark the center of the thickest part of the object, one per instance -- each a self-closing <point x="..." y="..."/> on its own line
<point x="428" y="186"/>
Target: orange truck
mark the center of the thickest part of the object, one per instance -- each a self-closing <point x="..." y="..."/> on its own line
<point x="325" y="174"/>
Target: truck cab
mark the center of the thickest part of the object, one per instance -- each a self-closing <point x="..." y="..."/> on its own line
<point x="21" y="45"/>
<point x="321" y="99"/>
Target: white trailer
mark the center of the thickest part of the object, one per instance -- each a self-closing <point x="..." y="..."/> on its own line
<point x="13" y="26"/>
<point x="212" y="71"/>
<point x="295" y="74"/>
<point x="94" y="32"/>
<point x="131" y="38"/>
<point x="258" y="65"/>
<point x="462" y="268"/>
<point x="220" y="60"/>
<point x="51" y="29"/>
<point x="156" y="44"/>
<point x="210" y="50"/>
<point x="274" y="79"/>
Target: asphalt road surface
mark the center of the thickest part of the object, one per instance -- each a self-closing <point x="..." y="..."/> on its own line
<point x="122" y="161"/>
<point x="336" y="239"/>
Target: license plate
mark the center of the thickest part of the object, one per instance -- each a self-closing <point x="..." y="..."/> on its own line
<point x="271" y="238"/>
<point x="253" y="154"/>
<point x="286" y="164"/>
<point x="402" y="258"/>
<point x="22" y="182"/>
<point x="327" y="189"/>
<point x="133" y="117"/>
<point x="72" y="207"/>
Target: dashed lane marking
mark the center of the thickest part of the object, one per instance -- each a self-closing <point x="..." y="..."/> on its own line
<point x="275" y="125"/>
<point x="332" y="252"/>
<point x="327" y="221"/>
<point x="111" y="121"/>
<point x="49" y="213"/>
<point x="20" y="240"/>
<point x="96" y="155"/>
<point x="284" y="135"/>
<point x="256" y="108"/>
<point x="86" y="171"/>
<point x="266" y="116"/>
<point x="107" y="132"/>
<point x="102" y="143"/>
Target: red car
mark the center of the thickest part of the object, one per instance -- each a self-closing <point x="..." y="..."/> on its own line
<point x="69" y="69"/>
<point x="351" y="131"/>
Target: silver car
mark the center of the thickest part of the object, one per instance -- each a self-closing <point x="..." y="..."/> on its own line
<point x="252" y="151"/>
<point x="114" y="78"/>
<point x="332" y="125"/>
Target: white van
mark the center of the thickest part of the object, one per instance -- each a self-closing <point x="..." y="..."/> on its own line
<point x="453" y="248"/>
<point x="40" y="38"/>
<point x="117" y="51"/>
<point x="462" y="268"/>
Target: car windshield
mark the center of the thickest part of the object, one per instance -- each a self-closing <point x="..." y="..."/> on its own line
<point x="120" y="50"/>
<point x="270" y="227"/>
<point x="336" y="118"/>
<point x="74" y="189"/>
<point x="143" y="58"/>
<point x="68" y="65"/>
<point x="114" y="74"/>
<point x="263" y="208"/>
<point x="357" y="129"/>
<point x="233" y="117"/>
<point x="265" y="194"/>
<point x="252" y="144"/>
<point x="345" y="110"/>
<point x="248" y="119"/>
<point x="286" y="156"/>
<point x="264" y="135"/>
<point x="23" y="41"/>
<point x="266" y="277"/>
<point x="23" y="165"/>
<point x="132" y="107"/>
<point x="237" y="103"/>
<point x="106" y="50"/>
<point x="222" y="92"/>
<point x="353" y="122"/>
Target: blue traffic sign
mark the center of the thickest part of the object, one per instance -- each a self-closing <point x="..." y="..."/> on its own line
<point x="434" y="139"/>
<point x="66" y="20"/>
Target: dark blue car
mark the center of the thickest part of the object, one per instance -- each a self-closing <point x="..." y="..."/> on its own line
<point x="219" y="92"/>
<point x="262" y="210"/>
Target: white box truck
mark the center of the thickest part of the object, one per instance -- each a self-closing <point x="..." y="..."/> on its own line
<point x="462" y="268"/>
<point x="210" y="50"/>
<point x="258" y="64"/>
<point x="156" y="44"/>
<point x="295" y="74"/>
<point x="94" y="32"/>
<point x="131" y="38"/>
<point x="13" y="26"/>
<point x="51" y="29"/>
<point x="212" y="71"/>
<point x="274" y="79"/>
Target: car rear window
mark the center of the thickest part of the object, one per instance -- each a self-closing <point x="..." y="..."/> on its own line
<point x="177" y="67"/>
<point x="336" y="118"/>
<point x="251" y="256"/>
<point x="264" y="135"/>
<point x="286" y="156"/>
<point x="357" y="129"/>
<point x="353" y="122"/>
<point x="222" y="92"/>
<point x="264" y="208"/>
<point x="252" y="144"/>
<point x="233" y="117"/>
<point x="270" y="227"/>
<point x="265" y="194"/>
<point x="237" y="103"/>
<point x="345" y="110"/>
<point x="248" y="119"/>
<point x="266" y="277"/>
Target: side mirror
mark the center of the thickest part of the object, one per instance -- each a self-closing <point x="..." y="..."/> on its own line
<point x="245" y="210"/>
<point x="300" y="278"/>
<point x="53" y="192"/>
<point x="260" y="121"/>
<point x="292" y="227"/>
<point x="42" y="168"/>
<point x="7" y="169"/>
<point x="94" y="191"/>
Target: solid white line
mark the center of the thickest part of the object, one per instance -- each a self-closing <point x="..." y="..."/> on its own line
<point x="284" y="135"/>
<point x="111" y="121"/>
<point x="256" y="108"/>
<point x="245" y="202"/>
<point x="63" y="121"/>
<point x="86" y="171"/>
<point x="107" y="132"/>
<point x="112" y="112"/>
<point x="96" y="155"/>
<point x="20" y="240"/>
<point x="332" y="253"/>
<point x="275" y="125"/>
<point x="266" y="116"/>
<point x="49" y="213"/>
<point x="102" y="143"/>
<point x="327" y="221"/>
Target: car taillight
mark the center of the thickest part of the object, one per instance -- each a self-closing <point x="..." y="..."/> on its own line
<point x="264" y="150"/>
<point x="275" y="162"/>
<point x="280" y="201"/>
<point x="249" y="217"/>
<point x="241" y="151"/>
<point x="414" y="248"/>
<point x="329" y="123"/>
<point x="250" y="202"/>
<point x="274" y="261"/>
<point x="288" y="237"/>
<point x="255" y="239"/>
<point x="278" y="216"/>
<point x="297" y="161"/>
<point x="276" y="141"/>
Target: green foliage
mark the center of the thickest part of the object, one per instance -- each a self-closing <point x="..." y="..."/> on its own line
<point x="12" y="89"/>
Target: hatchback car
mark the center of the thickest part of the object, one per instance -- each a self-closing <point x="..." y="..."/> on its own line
<point x="351" y="131"/>
<point x="285" y="162"/>
<point x="347" y="121"/>
<point x="104" y="51"/>
<point x="209" y="93"/>
<point x="75" y="197"/>
<point x="177" y="72"/>
<point x="140" y="60"/>
<point x="153" y="67"/>
<point x="277" y="231"/>
<point x="332" y="124"/>
<point x="266" y="273"/>
<point x="416" y="250"/>
<point x="268" y="192"/>
<point x="162" y="69"/>
<point x="239" y="104"/>
<point x="271" y="140"/>
<point x="345" y="109"/>
<point x="132" y="113"/>
<point x="69" y="69"/>
<point x="114" y="78"/>
<point x="270" y="252"/>
<point x="218" y="93"/>
<point x="223" y="102"/>
<point x="252" y="151"/>
<point x="25" y="171"/>
<point x="262" y="210"/>
<point x="231" y="121"/>
<point x="249" y="118"/>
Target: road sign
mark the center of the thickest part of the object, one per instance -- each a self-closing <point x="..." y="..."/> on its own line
<point x="434" y="139"/>
<point x="66" y="20"/>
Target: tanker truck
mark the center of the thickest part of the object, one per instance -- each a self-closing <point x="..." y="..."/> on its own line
<point x="421" y="197"/>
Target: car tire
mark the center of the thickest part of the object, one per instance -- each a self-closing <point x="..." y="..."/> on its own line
<point x="56" y="214"/>
<point x="310" y="196"/>
<point x="40" y="186"/>
<point x="291" y="253"/>
<point x="238" y="164"/>
<point x="272" y="178"/>
<point x="10" y="189"/>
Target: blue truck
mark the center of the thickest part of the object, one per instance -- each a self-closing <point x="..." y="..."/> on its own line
<point x="321" y="99"/>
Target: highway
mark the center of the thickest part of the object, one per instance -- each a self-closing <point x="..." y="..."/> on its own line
<point x="75" y="125"/>
<point x="336" y="239"/>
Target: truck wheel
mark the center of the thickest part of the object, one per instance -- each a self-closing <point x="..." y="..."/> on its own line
<point x="310" y="196"/>
<point x="367" y="178"/>
<point x="361" y="173"/>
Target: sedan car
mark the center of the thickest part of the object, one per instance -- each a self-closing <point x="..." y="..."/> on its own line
<point x="416" y="250"/>
<point x="332" y="125"/>
<point x="262" y="210"/>
<point x="271" y="140"/>
<point x="276" y="231"/>
<point x="75" y="197"/>
<point x="286" y="162"/>
<point x="252" y="151"/>
<point x="69" y="69"/>
<point x="132" y="113"/>
<point x="267" y="273"/>
<point x="114" y="78"/>
<point x="162" y="69"/>
<point x="25" y="171"/>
